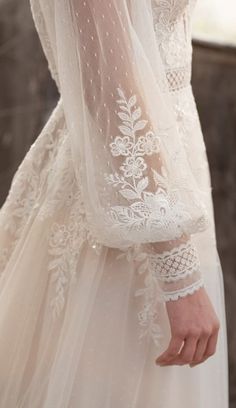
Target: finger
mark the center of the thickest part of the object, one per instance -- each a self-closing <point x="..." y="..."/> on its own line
<point x="186" y="354"/>
<point x="211" y="345"/>
<point x="200" y="349"/>
<point x="210" y="348"/>
<point x="188" y="351"/>
<point x="172" y="350"/>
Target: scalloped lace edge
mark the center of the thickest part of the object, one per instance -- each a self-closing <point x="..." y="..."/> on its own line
<point x="180" y="293"/>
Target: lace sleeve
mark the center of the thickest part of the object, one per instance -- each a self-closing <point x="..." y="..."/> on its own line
<point x="133" y="168"/>
<point x="131" y="164"/>
<point x="130" y="161"/>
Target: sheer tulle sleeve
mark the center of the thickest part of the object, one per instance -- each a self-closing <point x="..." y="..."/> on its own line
<point x="137" y="184"/>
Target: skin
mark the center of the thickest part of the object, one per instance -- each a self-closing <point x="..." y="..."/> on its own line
<point x="194" y="330"/>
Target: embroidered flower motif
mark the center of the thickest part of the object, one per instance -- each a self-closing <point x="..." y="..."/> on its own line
<point x="121" y="146"/>
<point x="65" y="243"/>
<point x="167" y="14"/>
<point x="175" y="49"/>
<point x="133" y="167"/>
<point x="149" y="143"/>
<point x="59" y="235"/>
<point x="157" y="205"/>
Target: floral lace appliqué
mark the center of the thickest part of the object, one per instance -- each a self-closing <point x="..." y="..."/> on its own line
<point x="65" y="245"/>
<point x="66" y="239"/>
<point x="147" y="212"/>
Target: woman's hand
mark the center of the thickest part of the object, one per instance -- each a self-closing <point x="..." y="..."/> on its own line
<point x="194" y="329"/>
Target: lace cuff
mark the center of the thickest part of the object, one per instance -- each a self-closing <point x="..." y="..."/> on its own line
<point x="177" y="271"/>
<point x="176" y="263"/>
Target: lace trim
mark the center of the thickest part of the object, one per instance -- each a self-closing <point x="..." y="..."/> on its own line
<point x="180" y="293"/>
<point x="175" y="264"/>
<point x="178" y="78"/>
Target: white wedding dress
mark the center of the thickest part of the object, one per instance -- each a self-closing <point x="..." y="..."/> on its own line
<point x="108" y="217"/>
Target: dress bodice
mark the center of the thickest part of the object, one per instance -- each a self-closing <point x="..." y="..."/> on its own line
<point x="172" y="24"/>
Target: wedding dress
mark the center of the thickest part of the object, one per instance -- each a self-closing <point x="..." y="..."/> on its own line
<point x="109" y="216"/>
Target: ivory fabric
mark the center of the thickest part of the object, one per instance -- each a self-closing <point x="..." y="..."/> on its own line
<point x="109" y="216"/>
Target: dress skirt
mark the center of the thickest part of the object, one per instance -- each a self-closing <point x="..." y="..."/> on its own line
<point x="71" y="328"/>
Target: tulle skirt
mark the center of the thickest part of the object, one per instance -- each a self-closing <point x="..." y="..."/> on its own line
<point x="70" y="329"/>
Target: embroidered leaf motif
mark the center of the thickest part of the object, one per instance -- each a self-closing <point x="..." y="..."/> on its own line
<point x="127" y="123"/>
<point x="125" y="130"/>
<point x="125" y="215"/>
<point x="159" y="179"/>
<point x="136" y="114"/>
<point x="122" y="107"/>
<point x="142" y="184"/>
<point x="120" y="101"/>
<point x="141" y="208"/>
<point x="129" y="194"/>
<point x="140" y="125"/>
<point x="121" y="93"/>
<point x="124" y="116"/>
<point x="132" y="101"/>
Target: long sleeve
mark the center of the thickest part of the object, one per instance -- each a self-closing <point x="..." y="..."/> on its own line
<point x="131" y="165"/>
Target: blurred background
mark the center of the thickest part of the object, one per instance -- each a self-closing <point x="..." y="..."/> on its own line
<point x="28" y="95"/>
